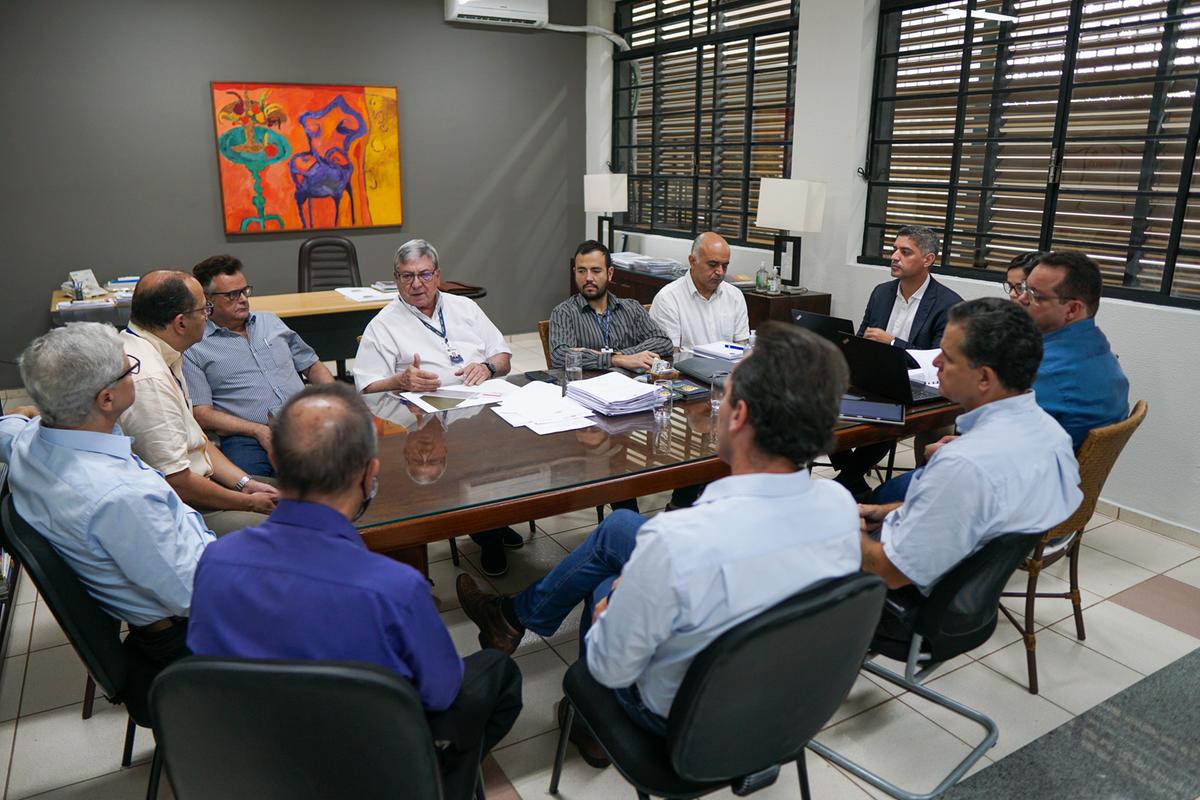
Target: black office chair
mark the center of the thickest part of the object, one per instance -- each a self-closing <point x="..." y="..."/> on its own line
<point x="739" y="714"/>
<point x="118" y="670"/>
<point x="958" y="615"/>
<point x="288" y="730"/>
<point x="328" y="262"/>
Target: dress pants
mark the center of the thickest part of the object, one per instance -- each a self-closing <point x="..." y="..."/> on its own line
<point x="484" y="711"/>
<point x="247" y="453"/>
<point x="161" y="648"/>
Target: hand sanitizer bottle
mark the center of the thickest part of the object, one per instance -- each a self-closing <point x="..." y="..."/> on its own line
<point x="774" y="282"/>
<point x="762" y="277"/>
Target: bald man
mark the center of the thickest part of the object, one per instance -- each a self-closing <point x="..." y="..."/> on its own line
<point x="700" y="307"/>
<point x="167" y="317"/>
<point x="302" y="585"/>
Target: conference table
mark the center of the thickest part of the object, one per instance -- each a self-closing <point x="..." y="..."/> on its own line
<point x="466" y="470"/>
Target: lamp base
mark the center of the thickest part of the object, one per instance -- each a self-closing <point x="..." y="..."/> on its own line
<point x="608" y="242"/>
<point x="793" y="279"/>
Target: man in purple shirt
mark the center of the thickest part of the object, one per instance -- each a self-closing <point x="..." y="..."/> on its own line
<point x="302" y="585"/>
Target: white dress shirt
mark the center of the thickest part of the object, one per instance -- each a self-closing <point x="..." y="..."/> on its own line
<point x="689" y="319"/>
<point x="748" y="543"/>
<point x="165" y="434"/>
<point x="399" y="331"/>
<point x="905" y="311"/>
<point x="1011" y="471"/>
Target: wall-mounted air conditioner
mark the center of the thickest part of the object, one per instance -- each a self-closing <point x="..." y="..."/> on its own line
<point x="514" y="13"/>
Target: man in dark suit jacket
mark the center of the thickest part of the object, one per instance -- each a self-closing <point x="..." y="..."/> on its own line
<point x="908" y="312"/>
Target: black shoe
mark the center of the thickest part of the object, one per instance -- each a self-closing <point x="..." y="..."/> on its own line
<point x="493" y="561"/>
<point x="511" y="539"/>
<point x="484" y="610"/>
<point x="583" y="739"/>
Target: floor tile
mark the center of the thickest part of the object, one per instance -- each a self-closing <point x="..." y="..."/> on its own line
<point x="1149" y="550"/>
<point x="1096" y="521"/>
<point x="1046" y="610"/>
<point x="46" y="631"/>
<point x="864" y="694"/>
<point x="124" y="784"/>
<point x="21" y="628"/>
<point x="57" y="748"/>
<point x="895" y="741"/>
<point x="572" y="539"/>
<point x="541" y="687"/>
<point x="26" y="591"/>
<point x="528" y="765"/>
<point x="1101" y="573"/>
<point x="444" y="574"/>
<point x="1188" y="573"/>
<point x="54" y="678"/>
<point x="1130" y="638"/>
<point x="526" y="565"/>
<point x="1069" y="675"/>
<point x="1020" y="716"/>
<point x="11" y="682"/>
<point x="7" y="732"/>
<point x="584" y="517"/>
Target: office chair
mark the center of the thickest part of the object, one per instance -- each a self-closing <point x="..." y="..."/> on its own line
<point x="275" y="730"/>
<point x="959" y="614"/>
<point x="328" y="262"/>
<point x="750" y="701"/>
<point x="121" y="673"/>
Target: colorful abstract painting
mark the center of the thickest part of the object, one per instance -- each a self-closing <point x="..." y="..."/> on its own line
<point x="295" y="157"/>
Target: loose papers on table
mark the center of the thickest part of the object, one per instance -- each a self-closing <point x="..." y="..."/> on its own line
<point x="613" y="393"/>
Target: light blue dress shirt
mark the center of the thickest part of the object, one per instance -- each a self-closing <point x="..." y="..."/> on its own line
<point x="1012" y="470"/>
<point x="748" y="543"/>
<point x="114" y="520"/>
<point x="247" y="376"/>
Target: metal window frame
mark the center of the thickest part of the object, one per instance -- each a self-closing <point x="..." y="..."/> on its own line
<point x="649" y="217"/>
<point x="881" y="141"/>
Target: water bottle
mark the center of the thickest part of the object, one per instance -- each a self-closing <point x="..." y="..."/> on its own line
<point x="774" y="287"/>
<point x="761" y="278"/>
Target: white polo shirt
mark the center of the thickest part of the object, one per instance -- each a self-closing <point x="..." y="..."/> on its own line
<point x="689" y="319"/>
<point x="905" y="311"/>
<point x="400" y="331"/>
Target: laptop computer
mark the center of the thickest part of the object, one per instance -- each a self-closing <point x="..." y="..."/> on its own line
<point x="702" y="369"/>
<point x="881" y="369"/>
<point x="832" y="328"/>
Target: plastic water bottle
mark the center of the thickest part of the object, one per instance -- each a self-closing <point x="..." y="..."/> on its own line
<point x="761" y="278"/>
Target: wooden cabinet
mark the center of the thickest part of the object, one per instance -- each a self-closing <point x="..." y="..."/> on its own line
<point x="760" y="307"/>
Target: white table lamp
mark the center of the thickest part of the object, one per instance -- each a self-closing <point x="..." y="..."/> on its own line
<point x="605" y="194"/>
<point x="790" y="205"/>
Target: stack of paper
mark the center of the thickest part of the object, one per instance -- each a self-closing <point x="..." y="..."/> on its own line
<point x="613" y="393"/>
<point x="726" y="350"/>
<point x="927" y="373"/>
<point x="384" y="286"/>
<point x="542" y="408"/>
<point x="363" y="294"/>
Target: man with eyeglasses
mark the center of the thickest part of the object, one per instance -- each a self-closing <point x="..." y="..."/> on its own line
<point x="167" y="316"/>
<point x="425" y="339"/>
<point x="112" y="518"/>
<point x="246" y="364"/>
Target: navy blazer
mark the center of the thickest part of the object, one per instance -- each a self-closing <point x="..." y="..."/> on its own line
<point x="928" y="324"/>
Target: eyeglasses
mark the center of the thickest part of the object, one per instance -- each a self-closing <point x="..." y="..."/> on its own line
<point x="1009" y="288"/>
<point x="135" y="366"/>
<point x="234" y="295"/>
<point x="207" y="308"/>
<point x="1040" y="297"/>
<point x="407" y="277"/>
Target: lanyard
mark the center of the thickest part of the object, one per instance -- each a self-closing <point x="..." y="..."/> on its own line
<point x="604" y="323"/>
<point x="178" y="382"/>
<point x="455" y="357"/>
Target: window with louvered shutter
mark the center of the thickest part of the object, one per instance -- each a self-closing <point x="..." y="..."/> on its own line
<point x="702" y="109"/>
<point x="1054" y="124"/>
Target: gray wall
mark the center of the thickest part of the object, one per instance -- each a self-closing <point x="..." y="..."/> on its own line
<point x="110" y="160"/>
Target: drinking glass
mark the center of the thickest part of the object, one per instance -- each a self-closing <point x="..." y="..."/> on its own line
<point x="662" y="412"/>
<point x="573" y="366"/>
<point x="716" y="390"/>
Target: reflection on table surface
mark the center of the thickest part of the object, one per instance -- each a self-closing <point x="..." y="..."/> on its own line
<point x="439" y="462"/>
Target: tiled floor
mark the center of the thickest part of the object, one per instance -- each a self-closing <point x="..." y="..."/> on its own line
<point x="1141" y="592"/>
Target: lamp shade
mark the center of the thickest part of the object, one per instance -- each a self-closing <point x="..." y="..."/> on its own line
<point x="606" y="193"/>
<point x="791" y="205"/>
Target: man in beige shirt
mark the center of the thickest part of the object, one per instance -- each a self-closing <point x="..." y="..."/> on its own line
<point x="167" y="317"/>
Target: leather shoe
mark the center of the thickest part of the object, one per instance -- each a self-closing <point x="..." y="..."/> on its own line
<point x="511" y="539"/>
<point x="581" y="736"/>
<point x="484" y="610"/>
<point x="493" y="561"/>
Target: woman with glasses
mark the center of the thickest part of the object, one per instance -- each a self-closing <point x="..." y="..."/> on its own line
<point x="1016" y="272"/>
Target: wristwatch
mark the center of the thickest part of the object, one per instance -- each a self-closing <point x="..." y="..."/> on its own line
<point x="241" y="484"/>
<point x="491" y="367"/>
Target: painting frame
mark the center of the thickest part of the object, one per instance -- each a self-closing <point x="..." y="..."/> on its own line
<point x="306" y="157"/>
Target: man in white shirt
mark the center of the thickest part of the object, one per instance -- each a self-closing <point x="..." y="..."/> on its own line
<point x="167" y="316"/>
<point x="700" y="307"/>
<point x="1012" y="470"/>
<point x="425" y="339"/>
<point x="753" y="539"/>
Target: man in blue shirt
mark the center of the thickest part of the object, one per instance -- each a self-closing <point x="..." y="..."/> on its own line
<point x="115" y="521"/>
<point x="246" y="364"/>
<point x="1011" y="471"/>
<point x="1080" y="383"/>
<point x="302" y="585"/>
<point x="751" y="540"/>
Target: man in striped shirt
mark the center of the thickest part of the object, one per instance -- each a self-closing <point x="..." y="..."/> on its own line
<point x="608" y="331"/>
<point x="245" y="365"/>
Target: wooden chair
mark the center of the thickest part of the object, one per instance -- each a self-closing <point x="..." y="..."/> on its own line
<point x="544" y="333"/>
<point x="1097" y="456"/>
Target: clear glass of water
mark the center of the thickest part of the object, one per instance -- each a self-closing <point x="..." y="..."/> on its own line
<point x="662" y="412"/>
<point x="716" y="390"/>
<point x="573" y="366"/>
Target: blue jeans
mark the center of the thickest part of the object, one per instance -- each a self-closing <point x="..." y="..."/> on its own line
<point x="896" y="489"/>
<point x="587" y="574"/>
<point x="247" y="453"/>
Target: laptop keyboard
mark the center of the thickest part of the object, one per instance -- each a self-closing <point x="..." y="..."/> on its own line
<point x="922" y="392"/>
